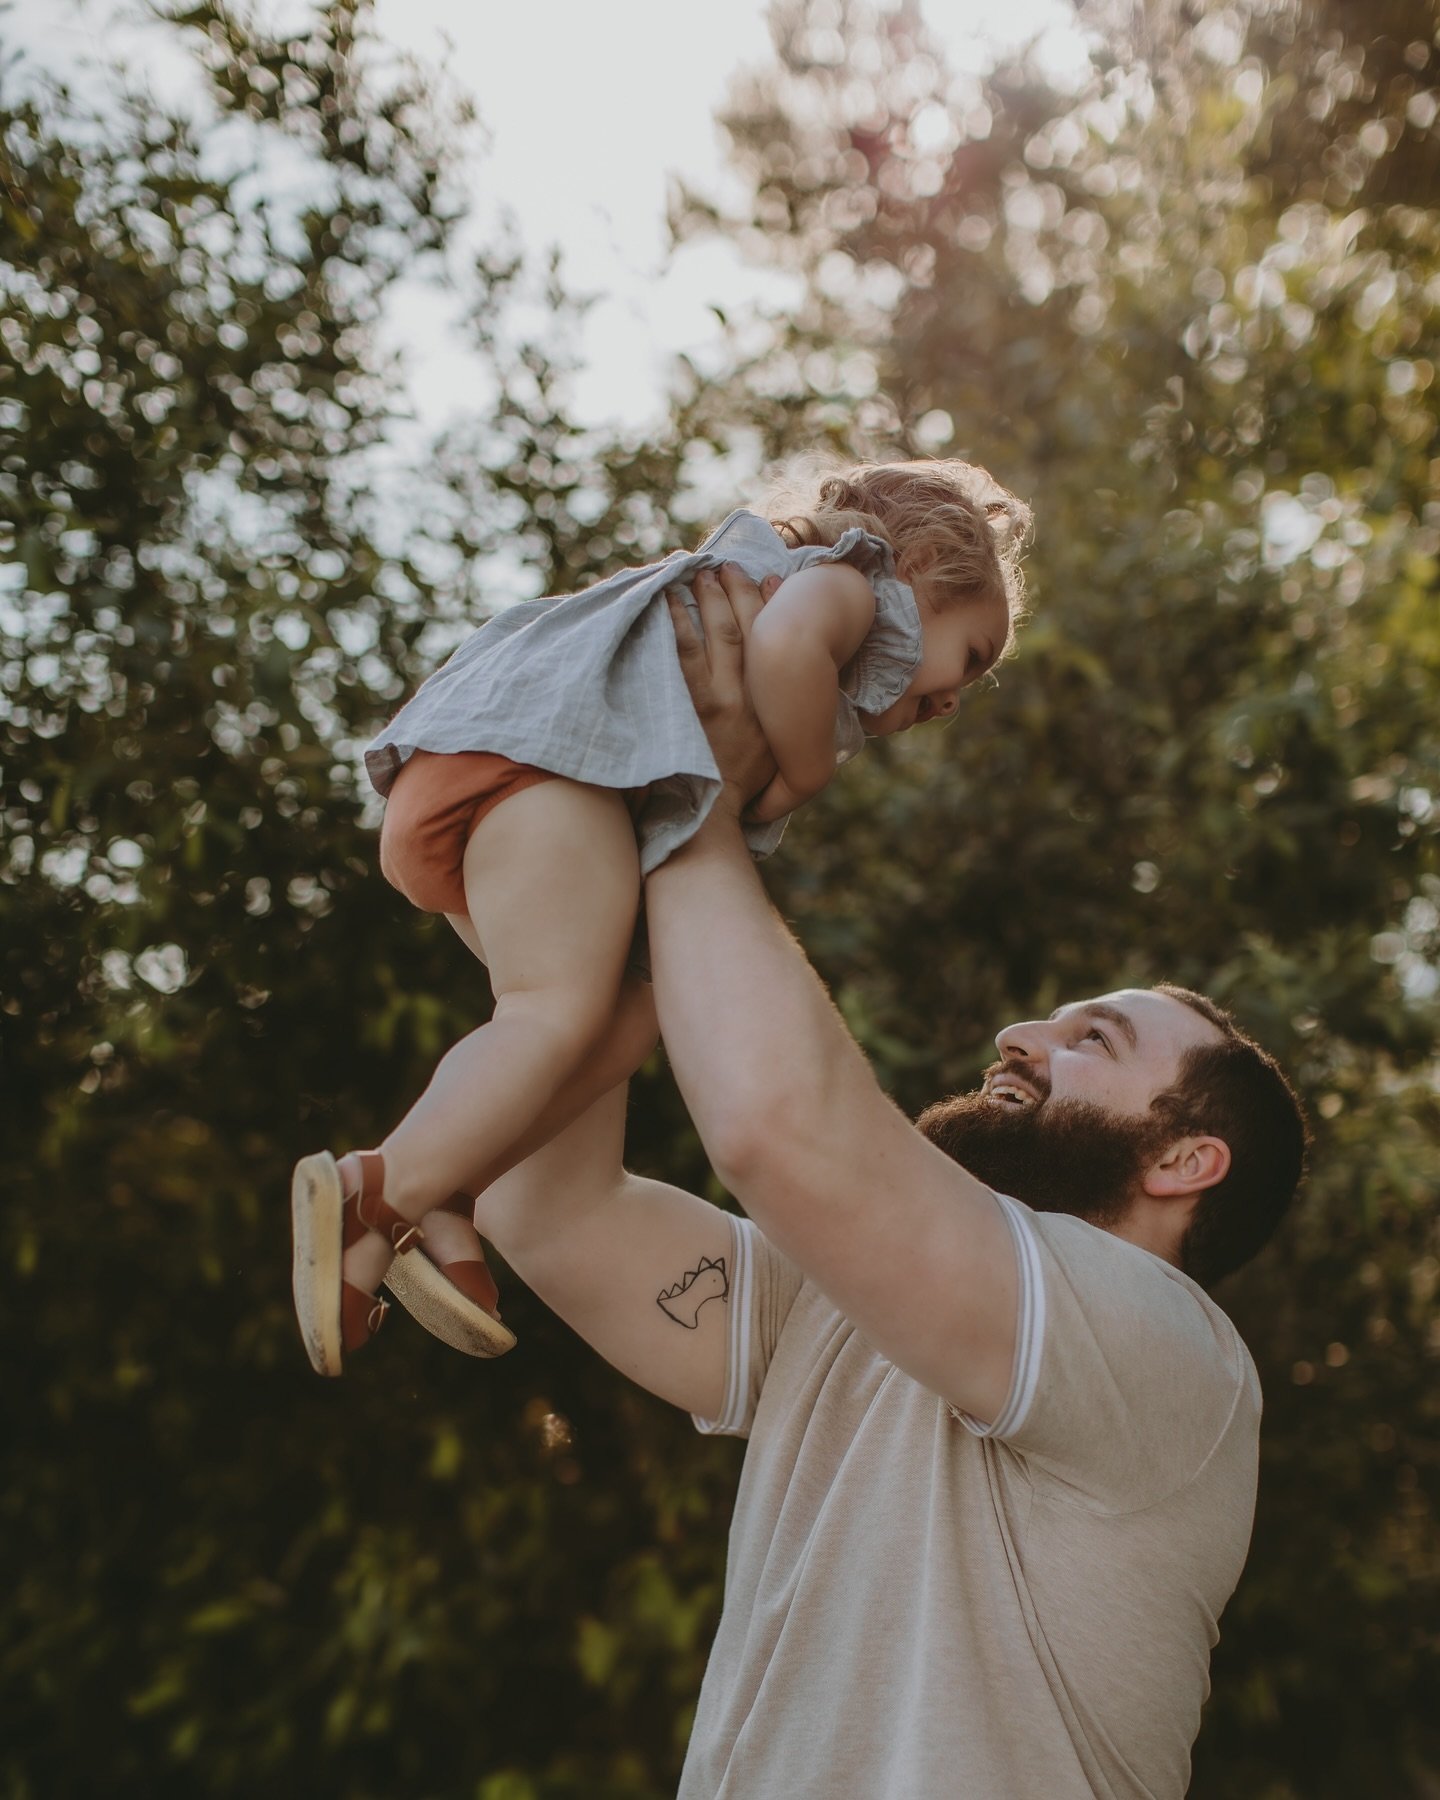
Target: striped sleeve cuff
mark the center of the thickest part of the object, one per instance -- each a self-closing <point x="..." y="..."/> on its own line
<point x="1029" y="1329"/>
<point x="731" y="1421"/>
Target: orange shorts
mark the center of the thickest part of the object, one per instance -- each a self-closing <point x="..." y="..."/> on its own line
<point x="436" y="802"/>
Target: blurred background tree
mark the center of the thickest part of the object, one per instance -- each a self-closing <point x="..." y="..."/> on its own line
<point x="1190" y="310"/>
<point x="1188" y="307"/>
<point x="222" y="1573"/>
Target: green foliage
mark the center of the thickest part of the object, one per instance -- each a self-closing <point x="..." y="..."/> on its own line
<point x="1190" y="311"/>
<point x="222" y="1573"/>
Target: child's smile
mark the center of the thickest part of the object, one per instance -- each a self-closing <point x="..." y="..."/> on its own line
<point x="962" y="641"/>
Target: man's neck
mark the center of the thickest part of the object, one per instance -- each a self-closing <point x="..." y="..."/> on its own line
<point x="1150" y="1228"/>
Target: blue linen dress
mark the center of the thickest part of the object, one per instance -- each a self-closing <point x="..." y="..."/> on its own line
<point x="589" y="685"/>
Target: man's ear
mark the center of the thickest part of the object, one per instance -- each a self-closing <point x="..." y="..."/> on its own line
<point x="1189" y="1166"/>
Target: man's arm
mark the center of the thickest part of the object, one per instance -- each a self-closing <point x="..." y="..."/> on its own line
<point x="912" y="1249"/>
<point x="607" y="1250"/>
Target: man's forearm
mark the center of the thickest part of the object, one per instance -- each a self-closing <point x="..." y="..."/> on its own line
<point x="834" y="1175"/>
<point x="751" y="1033"/>
<point x="762" y="1057"/>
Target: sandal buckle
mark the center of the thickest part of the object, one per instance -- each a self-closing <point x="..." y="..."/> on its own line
<point x="406" y="1240"/>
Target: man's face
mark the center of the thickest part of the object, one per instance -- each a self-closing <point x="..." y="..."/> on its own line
<point x="1062" y="1121"/>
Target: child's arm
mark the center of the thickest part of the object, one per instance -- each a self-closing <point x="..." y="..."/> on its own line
<point x="806" y="634"/>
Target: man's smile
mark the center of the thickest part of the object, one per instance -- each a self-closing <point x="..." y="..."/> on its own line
<point x="1010" y="1092"/>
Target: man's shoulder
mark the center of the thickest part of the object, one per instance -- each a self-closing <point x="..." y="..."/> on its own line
<point x="1131" y="1285"/>
<point x="1138" y="1380"/>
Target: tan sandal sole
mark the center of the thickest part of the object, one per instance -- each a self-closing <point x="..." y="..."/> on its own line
<point x="443" y="1310"/>
<point x="316" y="1203"/>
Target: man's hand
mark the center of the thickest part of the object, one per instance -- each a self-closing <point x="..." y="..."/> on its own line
<point x="714" y="671"/>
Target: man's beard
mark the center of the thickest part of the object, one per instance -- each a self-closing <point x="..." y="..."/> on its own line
<point x="1064" y="1156"/>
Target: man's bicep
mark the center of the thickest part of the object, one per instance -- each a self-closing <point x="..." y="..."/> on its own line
<point x="646" y="1279"/>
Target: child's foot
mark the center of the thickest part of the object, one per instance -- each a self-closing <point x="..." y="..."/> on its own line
<point x="348" y="1239"/>
<point x="345" y="1236"/>
<point x="451" y="1240"/>
<point x="448" y="1287"/>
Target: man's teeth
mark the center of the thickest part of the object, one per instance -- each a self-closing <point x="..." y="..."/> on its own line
<point x="1014" y="1096"/>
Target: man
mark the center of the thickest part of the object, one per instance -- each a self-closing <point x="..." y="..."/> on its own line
<point x="1002" y="1457"/>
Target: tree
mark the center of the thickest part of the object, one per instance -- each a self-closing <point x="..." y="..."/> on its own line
<point x="1189" y="310"/>
<point x="221" y="1571"/>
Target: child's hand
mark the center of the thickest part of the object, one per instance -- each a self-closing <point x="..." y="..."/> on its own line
<point x="775" y="800"/>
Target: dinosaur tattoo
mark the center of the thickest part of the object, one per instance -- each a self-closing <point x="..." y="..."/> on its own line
<point x="682" y="1302"/>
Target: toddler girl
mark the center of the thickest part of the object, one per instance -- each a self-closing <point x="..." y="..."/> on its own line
<point x="556" y="759"/>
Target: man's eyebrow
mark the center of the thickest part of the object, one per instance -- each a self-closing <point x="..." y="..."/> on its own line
<point x="1100" y="1009"/>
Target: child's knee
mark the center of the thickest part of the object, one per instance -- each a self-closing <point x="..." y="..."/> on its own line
<point x="569" y="1022"/>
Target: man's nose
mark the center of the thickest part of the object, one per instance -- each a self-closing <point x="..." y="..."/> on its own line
<point x="1021" y="1043"/>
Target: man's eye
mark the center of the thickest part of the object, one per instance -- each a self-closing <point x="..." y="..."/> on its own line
<point x="1098" y="1035"/>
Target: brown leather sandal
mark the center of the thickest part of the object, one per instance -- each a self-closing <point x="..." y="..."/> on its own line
<point x="336" y="1317"/>
<point x="457" y="1301"/>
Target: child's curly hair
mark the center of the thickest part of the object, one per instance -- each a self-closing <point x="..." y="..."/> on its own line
<point x="947" y="521"/>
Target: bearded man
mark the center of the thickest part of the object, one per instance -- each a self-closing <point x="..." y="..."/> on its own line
<point x="1002" y="1447"/>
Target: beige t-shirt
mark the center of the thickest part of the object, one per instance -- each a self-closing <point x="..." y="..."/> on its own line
<point x="918" y="1608"/>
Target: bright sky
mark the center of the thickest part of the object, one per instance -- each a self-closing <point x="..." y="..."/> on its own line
<point x="586" y="142"/>
<point x="590" y="110"/>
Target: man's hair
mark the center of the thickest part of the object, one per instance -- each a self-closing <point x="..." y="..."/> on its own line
<point x="1236" y="1091"/>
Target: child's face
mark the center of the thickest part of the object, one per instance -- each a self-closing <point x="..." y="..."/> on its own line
<point x="961" y="642"/>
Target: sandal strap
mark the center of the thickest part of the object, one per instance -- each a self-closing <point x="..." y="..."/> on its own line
<point x="369" y="1210"/>
<point x="471" y="1274"/>
<point x="361" y="1315"/>
<point x="472" y="1277"/>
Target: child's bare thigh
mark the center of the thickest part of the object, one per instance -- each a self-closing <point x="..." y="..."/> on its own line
<point x="552" y="884"/>
<point x="465" y="930"/>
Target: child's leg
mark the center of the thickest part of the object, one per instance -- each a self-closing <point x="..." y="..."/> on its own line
<point x="552" y="882"/>
<point x="628" y="1039"/>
